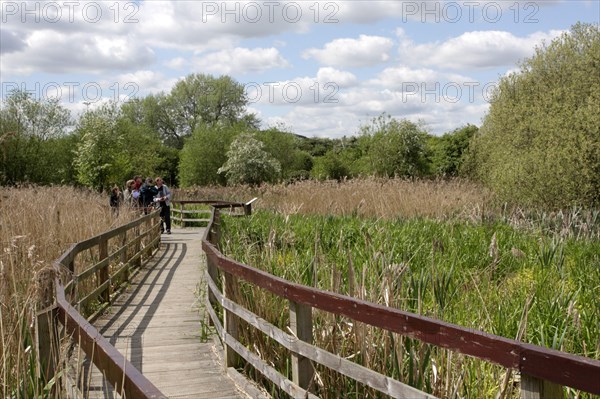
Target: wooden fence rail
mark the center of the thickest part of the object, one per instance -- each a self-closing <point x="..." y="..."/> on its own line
<point x="132" y="245"/>
<point x="543" y="371"/>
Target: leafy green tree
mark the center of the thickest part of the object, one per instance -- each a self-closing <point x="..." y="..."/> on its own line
<point x="447" y="152"/>
<point x="100" y="153"/>
<point x="285" y="148"/>
<point x="200" y="99"/>
<point x="205" y="152"/>
<point x="540" y="142"/>
<point x="330" y="166"/>
<point x="248" y="162"/>
<point x="394" y="147"/>
<point x="34" y="140"/>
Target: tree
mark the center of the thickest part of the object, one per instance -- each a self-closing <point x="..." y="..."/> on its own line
<point x="200" y="99"/>
<point x="447" y="152"/>
<point x="205" y="152"/>
<point x="248" y="162"/>
<point x="34" y="140"/>
<point x="540" y="142"/>
<point x="100" y="153"/>
<point x="394" y="147"/>
<point x="330" y="166"/>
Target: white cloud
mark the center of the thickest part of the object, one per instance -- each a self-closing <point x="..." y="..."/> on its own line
<point x="477" y="49"/>
<point x="240" y="61"/>
<point x="345" y="52"/>
<point x="56" y="52"/>
<point x="176" y="63"/>
<point x="340" y="78"/>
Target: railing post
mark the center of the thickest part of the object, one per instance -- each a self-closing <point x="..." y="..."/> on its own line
<point x="535" y="388"/>
<point x="248" y="207"/>
<point x="103" y="274"/>
<point x="46" y="329"/>
<point x="124" y="259"/>
<point x="217" y="224"/>
<point x="214" y="276"/>
<point x="230" y="320"/>
<point x="47" y="342"/>
<point x="181" y="222"/>
<point x="301" y="326"/>
<point x="137" y="246"/>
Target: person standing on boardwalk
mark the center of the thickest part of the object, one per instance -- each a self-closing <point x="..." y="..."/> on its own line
<point x="147" y="193"/>
<point x="164" y="200"/>
<point x="128" y="193"/>
<point x="116" y="199"/>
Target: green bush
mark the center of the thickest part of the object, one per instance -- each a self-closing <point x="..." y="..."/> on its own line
<point x="540" y="143"/>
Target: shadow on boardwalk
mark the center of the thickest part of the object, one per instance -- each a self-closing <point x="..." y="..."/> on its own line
<point x="156" y="325"/>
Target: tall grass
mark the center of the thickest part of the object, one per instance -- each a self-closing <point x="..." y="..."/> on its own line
<point x="517" y="283"/>
<point x="36" y="226"/>
<point x="399" y="198"/>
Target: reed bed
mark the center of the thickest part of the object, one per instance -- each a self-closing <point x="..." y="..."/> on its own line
<point x="371" y="197"/>
<point x="399" y="198"/>
<point x="527" y="284"/>
<point x="36" y="226"/>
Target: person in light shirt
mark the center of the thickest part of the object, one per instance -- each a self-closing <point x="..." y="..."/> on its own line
<point x="164" y="200"/>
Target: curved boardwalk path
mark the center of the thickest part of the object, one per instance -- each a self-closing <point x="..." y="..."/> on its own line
<point x="156" y="325"/>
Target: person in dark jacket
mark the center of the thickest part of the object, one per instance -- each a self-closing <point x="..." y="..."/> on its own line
<point x="147" y="194"/>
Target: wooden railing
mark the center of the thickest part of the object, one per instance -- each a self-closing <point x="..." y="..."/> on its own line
<point x="181" y="213"/>
<point x="544" y="371"/>
<point x="114" y="256"/>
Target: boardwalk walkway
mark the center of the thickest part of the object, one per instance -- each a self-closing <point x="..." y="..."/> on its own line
<point x="156" y="325"/>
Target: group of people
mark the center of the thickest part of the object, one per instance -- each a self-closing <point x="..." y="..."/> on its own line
<point x="145" y="195"/>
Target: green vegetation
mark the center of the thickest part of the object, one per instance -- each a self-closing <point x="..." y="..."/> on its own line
<point x="540" y="142"/>
<point x="533" y="284"/>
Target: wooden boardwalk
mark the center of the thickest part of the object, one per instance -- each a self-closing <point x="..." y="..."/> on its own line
<point x="157" y="326"/>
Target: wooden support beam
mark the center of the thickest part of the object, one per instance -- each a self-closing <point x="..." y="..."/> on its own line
<point x="301" y="326"/>
<point x="103" y="274"/>
<point x="535" y="388"/>
<point x="230" y="320"/>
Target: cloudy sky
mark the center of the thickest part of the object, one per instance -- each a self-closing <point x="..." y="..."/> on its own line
<point x="322" y="68"/>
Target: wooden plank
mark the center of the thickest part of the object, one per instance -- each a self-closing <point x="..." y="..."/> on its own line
<point x="230" y="320"/>
<point x="48" y="347"/>
<point x="286" y="385"/>
<point x="103" y="275"/>
<point x="534" y="388"/>
<point x="568" y="369"/>
<point x="158" y="330"/>
<point x="301" y="326"/>
<point x="121" y="374"/>
<point x="94" y="294"/>
<point x="189" y="220"/>
<point x="341" y="365"/>
<point x="93" y="241"/>
<point x="192" y="211"/>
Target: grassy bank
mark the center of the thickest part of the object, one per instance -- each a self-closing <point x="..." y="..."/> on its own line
<point x="536" y="280"/>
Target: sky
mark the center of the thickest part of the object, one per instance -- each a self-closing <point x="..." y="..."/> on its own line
<point x="317" y="68"/>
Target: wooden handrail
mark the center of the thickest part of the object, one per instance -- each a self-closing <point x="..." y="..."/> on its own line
<point x="118" y="371"/>
<point x="112" y="364"/>
<point x="545" y="364"/>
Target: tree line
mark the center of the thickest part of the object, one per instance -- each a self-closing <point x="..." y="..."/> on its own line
<point x="539" y="144"/>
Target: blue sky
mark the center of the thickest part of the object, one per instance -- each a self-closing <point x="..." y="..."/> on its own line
<point x="321" y="68"/>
